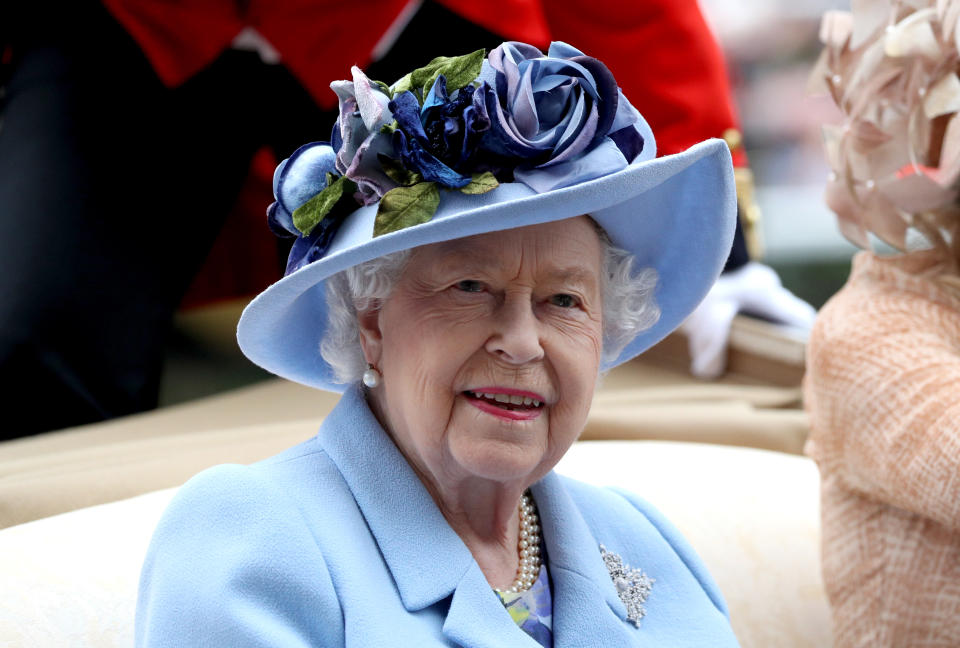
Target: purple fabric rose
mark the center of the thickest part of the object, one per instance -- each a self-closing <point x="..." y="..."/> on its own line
<point x="547" y="109"/>
<point x="561" y="113"/>
<point x="439" y="139"/>
<point x="358" y="139"/>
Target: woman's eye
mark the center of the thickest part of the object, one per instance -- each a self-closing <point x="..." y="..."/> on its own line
<point x="563" y="300"/>
<point x="469" y="285"/>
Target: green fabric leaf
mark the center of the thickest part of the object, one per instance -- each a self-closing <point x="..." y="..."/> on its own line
<point x="307" y="215"/>
<point x="406" y="206"/>
<point x="458" y="70"/>
<point x="383" y="87"/>
<point x="402" y="85"/>
<point x="397" y="172"/>
<point x="387" y="129"/>
<point x="481" y="183"/>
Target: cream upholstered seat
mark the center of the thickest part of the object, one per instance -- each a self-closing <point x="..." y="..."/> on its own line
<point x="61" y="471"/>
<point x="751" y="514"/>
<point x="71" y="579"/>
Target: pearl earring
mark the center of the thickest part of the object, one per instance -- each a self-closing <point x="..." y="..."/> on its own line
<point x="371" y="377"/>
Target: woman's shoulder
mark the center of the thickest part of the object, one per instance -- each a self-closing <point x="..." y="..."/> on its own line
<point x="219" y="498"/>
<point x="604" y="504"/>
<point x="217" y="552"/>
<point x="231" y="511"/>
<point x="890" y="294"/>
<point x="224" y="493"/>
<point x="234" y="489"/>
<point x="883" y="323"/>
<point x="625" y="521"/>
<point x="603" y="501"/>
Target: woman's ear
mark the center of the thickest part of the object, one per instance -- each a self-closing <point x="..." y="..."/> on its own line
<point x="371" y="339"/>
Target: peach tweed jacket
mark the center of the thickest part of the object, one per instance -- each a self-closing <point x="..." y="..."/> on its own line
<point x="883" y="393"/>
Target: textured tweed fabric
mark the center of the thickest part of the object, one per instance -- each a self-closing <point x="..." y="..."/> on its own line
<point x="883" y="393"/>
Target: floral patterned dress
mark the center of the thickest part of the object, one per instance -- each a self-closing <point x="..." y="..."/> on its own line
<point x="532" y="610"/>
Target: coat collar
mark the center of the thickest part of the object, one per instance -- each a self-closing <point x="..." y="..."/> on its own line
<point x="426" y="558"/>
<point x="429" y="562"/>
<point x="586" y="608"/>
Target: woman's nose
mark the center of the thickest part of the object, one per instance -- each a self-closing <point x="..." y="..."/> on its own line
<point x="516" y="332"/>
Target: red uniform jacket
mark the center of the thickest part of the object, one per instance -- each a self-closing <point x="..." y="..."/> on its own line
<point x="660" y="51"/>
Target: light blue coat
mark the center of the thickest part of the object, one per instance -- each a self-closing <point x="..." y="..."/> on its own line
<point x="336" y="542"/>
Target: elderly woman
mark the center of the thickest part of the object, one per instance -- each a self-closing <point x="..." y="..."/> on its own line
<point x="517" y="238"/>
<point x="883" y="383"/>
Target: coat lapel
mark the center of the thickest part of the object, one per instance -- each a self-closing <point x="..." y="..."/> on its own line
<point x="586" y="608"/>
<point x="426" y="558"/>
<point x="477" y="618"/>
<point x="430" y="563"/>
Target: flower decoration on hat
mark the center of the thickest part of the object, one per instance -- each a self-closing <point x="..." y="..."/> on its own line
<point x="462" y="124"/>
<point x="891" y="67"/>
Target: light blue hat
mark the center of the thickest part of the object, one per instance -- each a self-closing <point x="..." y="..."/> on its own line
<point x="470" y="145"/>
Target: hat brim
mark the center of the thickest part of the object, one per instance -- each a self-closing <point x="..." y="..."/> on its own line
<point x="675" y="214"/>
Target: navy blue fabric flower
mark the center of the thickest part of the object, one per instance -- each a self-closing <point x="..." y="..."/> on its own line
<point x="309" y="248"/>
<point x="547" y="109"/>
<point x="557" y="119"/>
<point x="439" y="140"/>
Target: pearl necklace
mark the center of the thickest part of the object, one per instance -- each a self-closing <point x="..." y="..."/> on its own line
<point x="529" y="546"/>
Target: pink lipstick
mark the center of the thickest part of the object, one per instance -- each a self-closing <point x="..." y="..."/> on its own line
<point x="510" y="404"/>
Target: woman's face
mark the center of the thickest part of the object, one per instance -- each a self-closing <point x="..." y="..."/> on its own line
<point x="490" y="349"/>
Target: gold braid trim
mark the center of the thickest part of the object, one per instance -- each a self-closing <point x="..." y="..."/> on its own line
<point x="746" y="198"/>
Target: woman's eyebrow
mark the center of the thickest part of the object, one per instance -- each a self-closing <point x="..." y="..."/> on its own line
<point x="463" y="258"/>
<point x="573" y="276"/>
<point x="457" y="258"/>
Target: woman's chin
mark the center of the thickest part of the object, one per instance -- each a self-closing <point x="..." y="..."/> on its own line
<point x="500" y="448"/>
<point x="500" y="460"/>
<point x="503" y="472"/>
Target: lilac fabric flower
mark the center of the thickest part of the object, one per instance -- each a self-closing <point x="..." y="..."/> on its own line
<point x="295" y="181"/>
<point x="358" y="139"/>
<point x="439" y="140"/>
<point x="562" y="110"/>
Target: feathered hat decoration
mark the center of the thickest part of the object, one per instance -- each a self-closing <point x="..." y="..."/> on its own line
<point x="891" y="67"/>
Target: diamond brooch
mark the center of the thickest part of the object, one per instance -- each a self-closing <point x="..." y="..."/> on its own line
<point x="633" y="586"/>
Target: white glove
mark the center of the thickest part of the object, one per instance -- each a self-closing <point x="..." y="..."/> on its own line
<point x="753" y="288"/>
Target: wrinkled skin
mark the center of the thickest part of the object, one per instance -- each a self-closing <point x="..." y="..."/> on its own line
<point x="518" y="309"/>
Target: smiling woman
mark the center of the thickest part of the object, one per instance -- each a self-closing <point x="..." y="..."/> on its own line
<point x="454" y="289"/>
<point x="440" y="340"/>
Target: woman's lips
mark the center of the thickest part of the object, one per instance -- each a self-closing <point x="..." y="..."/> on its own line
<point x="510" y="404"/>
